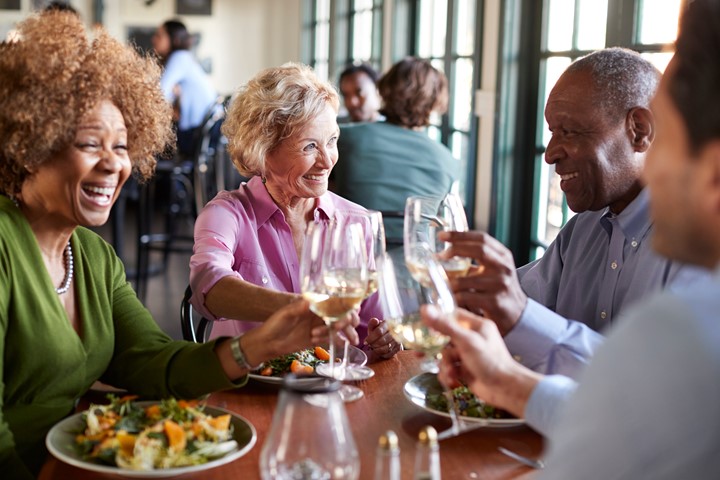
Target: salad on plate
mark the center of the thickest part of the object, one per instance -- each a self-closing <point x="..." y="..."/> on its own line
<point x="150" y="435"/>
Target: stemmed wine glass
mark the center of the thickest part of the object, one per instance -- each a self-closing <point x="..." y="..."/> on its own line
<point x="425" y="217"/>
<point x="402" y="293"/>
<point x="374" y="231"/>
<point x="334" y="278"/>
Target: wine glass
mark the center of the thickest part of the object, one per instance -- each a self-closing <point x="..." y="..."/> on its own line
<point x="402" y="293"/>
<point x="425" y="217"/>
<point x="374" y="230"/>
<point x="334" y="276"/>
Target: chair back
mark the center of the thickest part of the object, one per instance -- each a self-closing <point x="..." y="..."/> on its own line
<point x="391" y="241"/>
<point x="194" y="327"/>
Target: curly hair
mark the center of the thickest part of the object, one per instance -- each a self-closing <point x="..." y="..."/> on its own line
<point x="53" y="75"/>
<point x="271" y="107"/>
<point x="411" y="90"/>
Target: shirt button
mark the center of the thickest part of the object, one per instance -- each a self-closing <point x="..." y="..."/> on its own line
<point x="264" y="279"/>
<point x="603" y="314"/>
<point x="634" y="243"/>
<point x="613" y="265"/>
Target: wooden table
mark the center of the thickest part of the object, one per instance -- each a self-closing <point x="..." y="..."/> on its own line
<point x="472" y="455"/>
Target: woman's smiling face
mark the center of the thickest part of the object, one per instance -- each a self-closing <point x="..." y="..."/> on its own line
<point x="299" y="167"/>
<point x="82" y="181"/>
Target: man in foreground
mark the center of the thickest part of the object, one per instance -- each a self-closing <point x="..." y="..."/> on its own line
<point x="647" y="406"/>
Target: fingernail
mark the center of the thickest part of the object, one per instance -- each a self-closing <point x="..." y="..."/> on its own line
<point x="432" y="312"/>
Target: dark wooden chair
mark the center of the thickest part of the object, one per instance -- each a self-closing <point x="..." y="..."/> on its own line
<point x="195" y="328"/>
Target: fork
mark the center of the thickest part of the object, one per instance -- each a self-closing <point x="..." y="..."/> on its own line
<point x="539" y="464"/>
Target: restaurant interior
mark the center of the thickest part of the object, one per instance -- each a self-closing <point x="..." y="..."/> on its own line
<point x="501" y="59"/>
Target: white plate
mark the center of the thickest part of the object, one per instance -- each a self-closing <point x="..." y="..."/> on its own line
<point x="355" y="356"/>
<point x="418" y="387"/>
<point x="60" y="441"/>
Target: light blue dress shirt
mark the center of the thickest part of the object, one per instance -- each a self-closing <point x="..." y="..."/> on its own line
<point x="648" y="406"/>
<point x="598" y="265"/>
<point x="197" y="94"/>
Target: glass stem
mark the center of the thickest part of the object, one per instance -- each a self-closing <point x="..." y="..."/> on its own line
<point x="457" y="425"/>
<point x="343" y="366"/>
<point x="331" y="344"/>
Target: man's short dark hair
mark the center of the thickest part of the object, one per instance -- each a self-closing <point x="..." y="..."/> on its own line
<point x="363" y="67"/>
<point x="693" y="85"/>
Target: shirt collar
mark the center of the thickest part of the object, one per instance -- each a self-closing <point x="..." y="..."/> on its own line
<point x="634" y="221"/>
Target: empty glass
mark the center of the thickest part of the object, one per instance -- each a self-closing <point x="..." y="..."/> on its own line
<point x="310" y="436"/>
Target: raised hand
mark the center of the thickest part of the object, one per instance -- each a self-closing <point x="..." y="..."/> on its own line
<point x="491" y="288"/>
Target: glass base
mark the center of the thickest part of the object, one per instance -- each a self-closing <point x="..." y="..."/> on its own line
<point x="351" y="373"/>
<point x="350" y="394"/>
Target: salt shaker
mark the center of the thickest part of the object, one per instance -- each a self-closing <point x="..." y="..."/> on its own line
<point x="427" y="455"/>
<point x="310" y="436"/>
<point x="387" y="458"/>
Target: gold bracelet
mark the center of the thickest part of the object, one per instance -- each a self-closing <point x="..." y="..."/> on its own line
<point x="239" y="355"/>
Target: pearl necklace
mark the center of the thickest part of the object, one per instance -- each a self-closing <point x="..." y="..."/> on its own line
<point x="69" y="266"/>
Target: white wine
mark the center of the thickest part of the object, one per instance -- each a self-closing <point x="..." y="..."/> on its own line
<point x="372" y="283"/>
<point x="419" y="272"/>
<point x="415" y="335"/>
<point x="334" y="307"/>
<point x="456" y="267"/>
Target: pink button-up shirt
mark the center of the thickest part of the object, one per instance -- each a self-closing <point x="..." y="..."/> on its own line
<point x="243" y="233"/>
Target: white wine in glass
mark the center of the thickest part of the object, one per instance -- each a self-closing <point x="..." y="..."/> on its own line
<point x="402" y="295"/>
<point x="425" y="217"/>
<point x="333" y="272"/>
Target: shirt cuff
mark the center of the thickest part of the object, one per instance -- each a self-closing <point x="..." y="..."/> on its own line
<point x="547" y="402"/>
<point x="536" y="333"/>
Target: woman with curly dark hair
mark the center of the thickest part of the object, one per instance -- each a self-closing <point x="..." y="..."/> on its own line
<point x="383" y="163"/>
<point x="76" y="116"/>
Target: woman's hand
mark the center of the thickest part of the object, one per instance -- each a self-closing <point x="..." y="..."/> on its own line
<point x="380" y="341"/>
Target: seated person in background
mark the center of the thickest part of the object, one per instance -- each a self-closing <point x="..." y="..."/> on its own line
<point x="647" y="406"/>
<point x="601" y="123"/>
<point x="383" y="163"/>
<point x="80" y="114"/>
<point x="358" y="86"/>
<point x="282" y="131"/>
<point x="183" y="81"/>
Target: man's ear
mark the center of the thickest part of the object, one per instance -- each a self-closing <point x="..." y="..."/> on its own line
<point x="641" y="128"/>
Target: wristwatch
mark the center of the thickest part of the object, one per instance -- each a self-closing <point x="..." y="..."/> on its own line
<point x="239" y="355"/>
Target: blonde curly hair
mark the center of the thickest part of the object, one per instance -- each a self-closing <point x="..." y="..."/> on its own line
<point x="271" y="107"/>
<point x="53" y="75"/>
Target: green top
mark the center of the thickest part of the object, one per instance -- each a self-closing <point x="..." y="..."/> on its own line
<point x="46" y="365"/>
<point x="382" y="164"/>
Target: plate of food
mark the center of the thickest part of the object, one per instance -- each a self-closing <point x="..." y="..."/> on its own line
<point x="303" y="363"/>
<point x="150" y="439"/>
<point x="425" y="391"/>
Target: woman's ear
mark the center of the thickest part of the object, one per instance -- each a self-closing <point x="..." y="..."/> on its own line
<point x="641" y="128"/>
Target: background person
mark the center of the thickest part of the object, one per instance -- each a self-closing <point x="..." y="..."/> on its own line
<point x="183" y="81"/>
<point x="282" y="131"/>
<point x="78" y="114"/>
<point x="358" y="86"/>
<point x="647" y="404"/>
<point x="383" y="163"/>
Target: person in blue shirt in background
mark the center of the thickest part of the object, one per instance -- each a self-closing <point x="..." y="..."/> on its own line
<point x="647" y="406"/>
<point x="183" y="81"/>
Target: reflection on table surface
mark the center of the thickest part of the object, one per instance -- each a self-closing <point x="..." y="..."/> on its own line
<point x="472" y="455"/>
